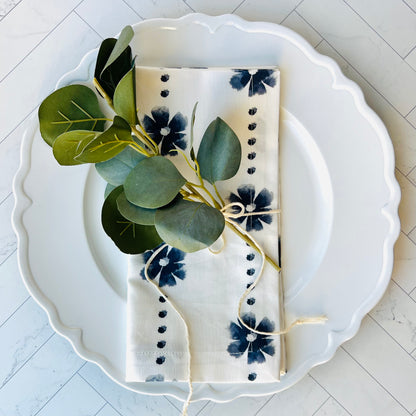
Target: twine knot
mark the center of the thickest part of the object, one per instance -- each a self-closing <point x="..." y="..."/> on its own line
<point x="225" y="210"/>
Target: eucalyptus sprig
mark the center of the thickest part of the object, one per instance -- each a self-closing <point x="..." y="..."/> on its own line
<point x="147" y="199"/>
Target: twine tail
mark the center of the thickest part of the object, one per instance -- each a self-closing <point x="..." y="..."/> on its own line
<point x="188" y="341"/>
<point x="228" y="217"/>
<point x="300" y="321"/>
<point x="213" y="251"/>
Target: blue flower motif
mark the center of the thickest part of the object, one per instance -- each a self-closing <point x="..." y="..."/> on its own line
<point x="167" y="265"/>
<point x="245" y="340"/>
<point x="169" y="133"/>
<point x="256" y="78"/>
<point x="252" y="203"/>
<point x="156" y="377"/>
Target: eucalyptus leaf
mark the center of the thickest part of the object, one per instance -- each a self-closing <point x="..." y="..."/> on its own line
<point x="129" y="237"/>
<point x="74" y="107"/>
<point x="189" y="226"/>
<point x="69" y="145"/>
<point x="108" y="144"/>
<point x="116" y="169"/>
<point x="219" y="154"/>
<point x="112" y="75"/>
<point x="120" y="46"/>
<point x="134" y="213"/>
<point x="125" y="98"/>
<point x="192" y="152"/>
<point x="153" y="183"/>
<point x="108" y="189"/>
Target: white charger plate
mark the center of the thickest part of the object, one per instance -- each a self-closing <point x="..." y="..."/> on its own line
<point x="339" y="201"/>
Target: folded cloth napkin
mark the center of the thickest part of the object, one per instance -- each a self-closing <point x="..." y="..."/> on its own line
<point x="206" y="287"/>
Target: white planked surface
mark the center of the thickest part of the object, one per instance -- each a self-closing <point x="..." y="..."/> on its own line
<point x="374" y="42"/>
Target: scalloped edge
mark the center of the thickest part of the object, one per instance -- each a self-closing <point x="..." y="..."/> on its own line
<point x="390" y="210"/>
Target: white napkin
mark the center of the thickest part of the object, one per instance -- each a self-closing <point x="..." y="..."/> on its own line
<point x="206" y="287"/>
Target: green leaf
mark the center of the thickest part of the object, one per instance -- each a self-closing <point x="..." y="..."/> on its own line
<point x="153" y="183"/>
<point x="108" y="189"/>
<point x="125" y="98"/>
<point x="192" y="153"/>
<point x="109" y="78"/>
<point x="120" y="46"/>
<point x="116" y="169"/>
<point x="191" y="145"/>
<point x="134" y="213"/>
<point x="219" y="154"/>
<point x="129" y="237"/>
<point x="74" y="107"/>
<point x="108" y="144"/>
<point x="69" y="145"/>
<point x="189" y="226"/>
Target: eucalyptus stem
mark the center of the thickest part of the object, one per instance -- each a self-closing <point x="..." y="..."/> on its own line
<point x="218" y="194"/>
<point x="140" y="150"/>
<point x="248" y="241"/>
<point x="196" y="193"/>
<point x="214" y="201"/>
<point x="154" y="144"/>
<point x="198" y="173"/>
<point x="103" y="93"/>
<point x="140" y="135"/>
<point x="184" y="156"/>
<point x="143" y="139"/>
<point x="217" y="205"/>
<point x="201" y="185"/>
<point x="184" y="192"/>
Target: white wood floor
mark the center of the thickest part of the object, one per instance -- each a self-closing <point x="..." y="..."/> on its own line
<point x="374" y="43"/>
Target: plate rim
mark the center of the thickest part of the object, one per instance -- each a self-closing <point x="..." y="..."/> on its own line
<point x="339" y="81"/>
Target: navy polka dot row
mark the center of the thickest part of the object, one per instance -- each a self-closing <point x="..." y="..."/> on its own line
<point x="250" y="272"/>
<point x="251" y="301"/>
<point x="162" y="329"/>
<point x="163" y="313"/>
<point x="252" y="141"/>
<point x="251" y="170"/>
<point x="164" y="78"/>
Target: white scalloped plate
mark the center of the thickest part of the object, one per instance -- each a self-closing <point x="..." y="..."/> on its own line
<point x="339" y="200"/>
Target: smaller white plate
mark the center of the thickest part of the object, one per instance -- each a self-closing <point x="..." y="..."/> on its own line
<point x="339" y="201"/>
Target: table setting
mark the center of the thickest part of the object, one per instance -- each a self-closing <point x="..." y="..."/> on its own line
<point x="206" y="226"/>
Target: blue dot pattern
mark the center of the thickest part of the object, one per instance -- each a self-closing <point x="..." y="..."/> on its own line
<point x="160" y="360"/>
<point x="162" y="314"/>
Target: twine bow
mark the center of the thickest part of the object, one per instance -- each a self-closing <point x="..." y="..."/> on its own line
<point x="233" y="215"/>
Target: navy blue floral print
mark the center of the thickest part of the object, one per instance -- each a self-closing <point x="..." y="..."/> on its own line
<point x="168" y="134"/>
<point x="156" y="377"/>
<point x="167" y="265"/>
<point x="245" y="340"/>
<point x="257" y="80"/>
<point x="252" y="203"/>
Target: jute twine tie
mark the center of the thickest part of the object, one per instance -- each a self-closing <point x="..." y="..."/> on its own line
<point x="229" y="217"/>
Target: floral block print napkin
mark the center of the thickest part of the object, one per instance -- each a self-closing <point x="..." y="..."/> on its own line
<point x="206" y="287"/>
